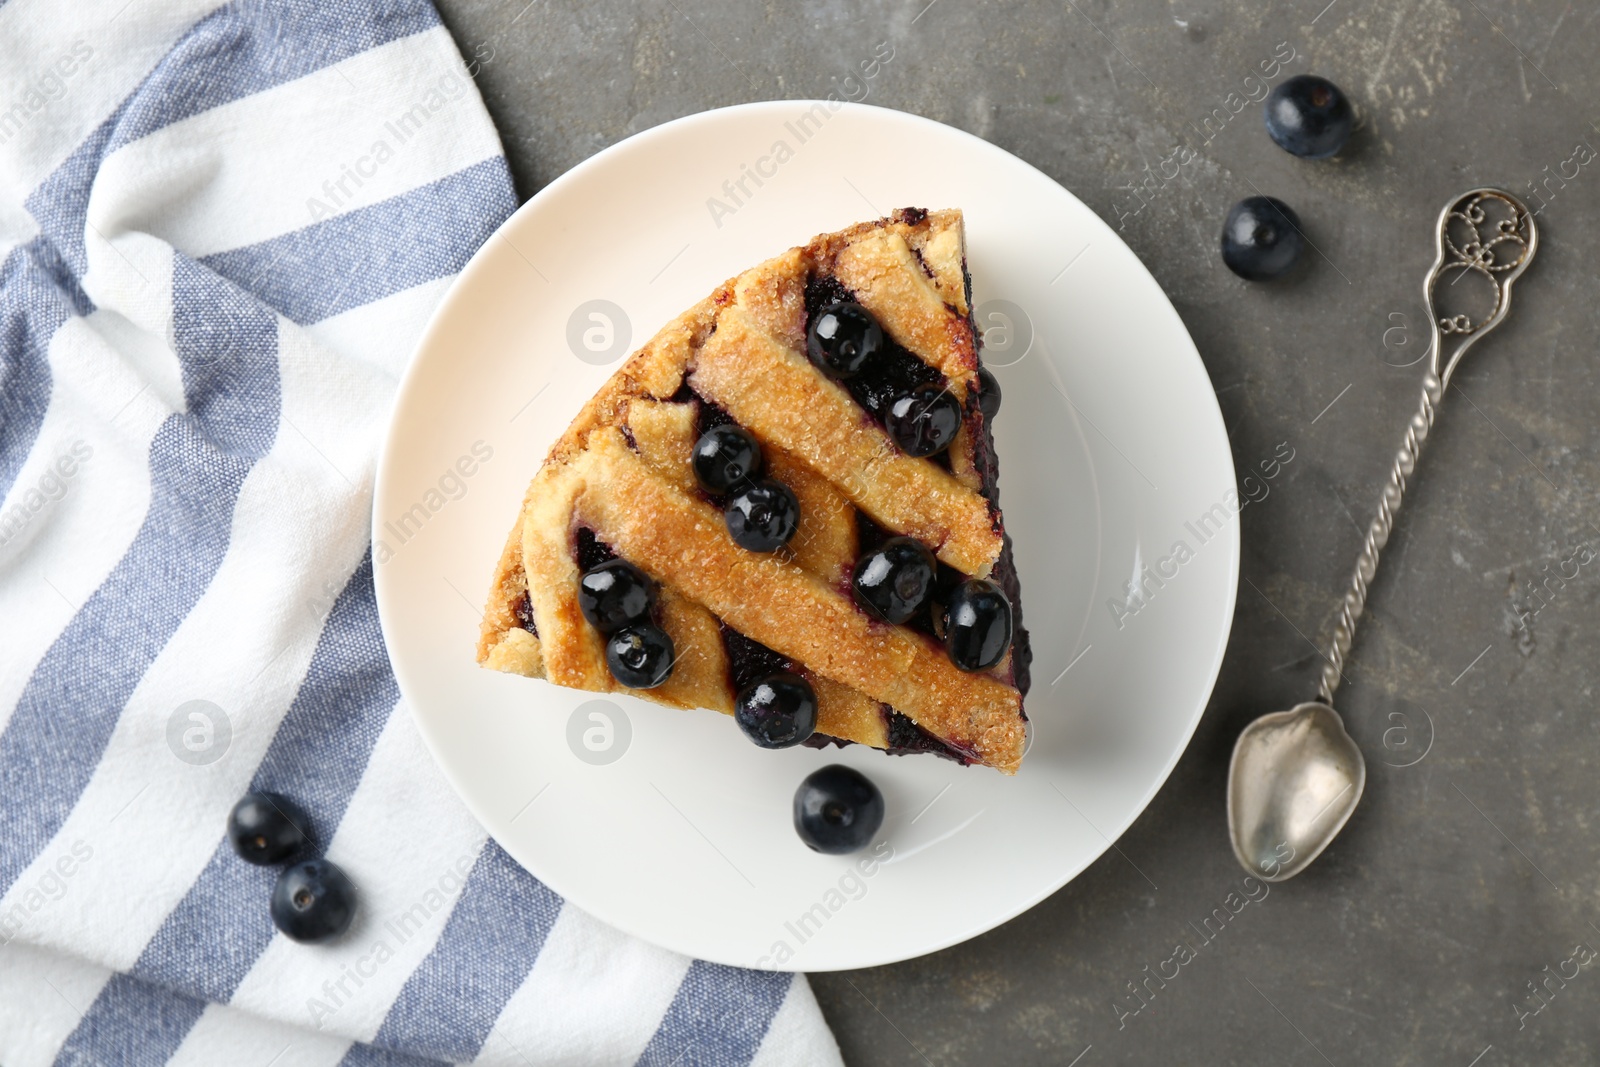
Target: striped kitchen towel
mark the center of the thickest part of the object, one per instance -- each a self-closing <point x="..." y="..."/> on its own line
<point x="222" y="227"/>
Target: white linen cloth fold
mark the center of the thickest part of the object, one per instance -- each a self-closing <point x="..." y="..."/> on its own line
<point x="222" y="227"/>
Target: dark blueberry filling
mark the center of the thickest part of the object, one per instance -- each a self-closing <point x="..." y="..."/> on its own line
<point x="591" y="550"/>
<point x="1004" y="572"/>
<point x="709" y="414"/>
<point x="911" y="216"/>
<point x="524" y="612"/>
<point x="892" y="373"/>
<point x="905" y="738"/>
<point x="749" y="660"/>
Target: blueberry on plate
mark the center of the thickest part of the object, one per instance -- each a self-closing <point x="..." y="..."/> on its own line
<point x="893" y="581"/>
<point x="615" y="594"/>
<point x="640" y="656"/>
<point x="843" y="338"/>
<point x="1309" y="117"/>
<point x="763" y="517"/>
<point x="1261" y="238"/>
<point x="725" y="456"/>
<point x="313" y="901"/>
<point x="924" y="421"/>
<point x="988" y="393"/>
<point x="837" y="810"/>
<point x="977" y="625"/>
<point x="266" y="829"/>
<point x="779" y="711"/>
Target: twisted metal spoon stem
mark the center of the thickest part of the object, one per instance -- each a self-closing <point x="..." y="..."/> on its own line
<point x="1355" y="598"/>
<point x="1462" y="246"/>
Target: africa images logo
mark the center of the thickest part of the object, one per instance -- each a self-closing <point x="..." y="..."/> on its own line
<point x="199" y="732"/>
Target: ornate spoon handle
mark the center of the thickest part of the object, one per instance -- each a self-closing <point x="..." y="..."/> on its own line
<point x="1355" y="598"/>
<point x="1487" y="233"/>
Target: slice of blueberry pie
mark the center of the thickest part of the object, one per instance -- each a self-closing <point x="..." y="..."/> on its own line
<point x="784" y="508"/>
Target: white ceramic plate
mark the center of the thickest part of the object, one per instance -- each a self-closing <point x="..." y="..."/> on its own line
<point x="669" y="824"/>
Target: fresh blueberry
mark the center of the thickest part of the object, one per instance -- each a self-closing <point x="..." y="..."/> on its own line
<point x="313" y="901"/>
<point x="1309" y="117"/>
<point x="724" y="457"/>
<point x="777" y="712"/>
<point x="615" y="594"/>
<point x="640" y="657"/>
<point x="977" y="625"/>
<point x="843" y="338"/>
<point x="924" y="421"/>
<point x="1261" y="238"/>
<point x="762" y="517"/>
<point x="894" y="580"/>
<point x="988" y="393"/>
<point x="266" y="829"/>
<point x="837" y="810"/>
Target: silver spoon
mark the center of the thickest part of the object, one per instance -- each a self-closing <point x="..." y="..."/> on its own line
<point x="1296" y="776"/>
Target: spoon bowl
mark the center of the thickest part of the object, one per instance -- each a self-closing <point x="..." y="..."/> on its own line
<point x="1295" y="778"/>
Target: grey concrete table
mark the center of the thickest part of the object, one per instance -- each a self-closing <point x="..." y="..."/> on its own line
<point x="1467" y="878"/>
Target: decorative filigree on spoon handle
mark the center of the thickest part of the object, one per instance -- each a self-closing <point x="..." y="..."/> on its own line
<point x="1500" y="258"/>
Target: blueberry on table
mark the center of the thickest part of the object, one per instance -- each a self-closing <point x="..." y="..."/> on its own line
<point x="640" y="657"/>
<point x="893" y="581"/>
<point x="615" y="594"/>
<point x="725" y="456"/>
<point x="779" y="711"/>
<point x="266" y="829"/>
<point x="977" y="625"/>
<point x="837" y="810"/>
<point x="1261" y="238"/>
<point x="924" y="421"/>
<point x="763" y="517"/>
<point x="1309" y="117"/>
<point x="313" y="901"/>
<point x="843" y="338"/>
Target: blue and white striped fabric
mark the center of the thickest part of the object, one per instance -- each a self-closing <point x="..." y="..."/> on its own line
<point x="222" y="227"/>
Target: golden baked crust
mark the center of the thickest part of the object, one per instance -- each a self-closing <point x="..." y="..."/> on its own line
<point x="622" y="472"/>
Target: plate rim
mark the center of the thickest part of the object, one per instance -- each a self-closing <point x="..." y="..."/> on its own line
<point x="385" y="476"/>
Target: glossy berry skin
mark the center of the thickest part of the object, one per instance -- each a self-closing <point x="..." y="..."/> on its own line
<point x="977" y="625"/>
<point x="1309" y="117"/>
<point x="313" y="902"/>
<point x="925" y="421"/>
<point x="725" y="457"/>
<point x="894" y="580"/>
<point x="615" y="594"/>
<point x="1261" y="238"/>
<point x="779" y="711"/>
<point x="988" y="393"/>
<point x="267" y="829"/>
<point x="843" y="338"/>
<point x="837" y="810"/>
<point x="640" y="657"/>
<point x="763" y="517"/>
